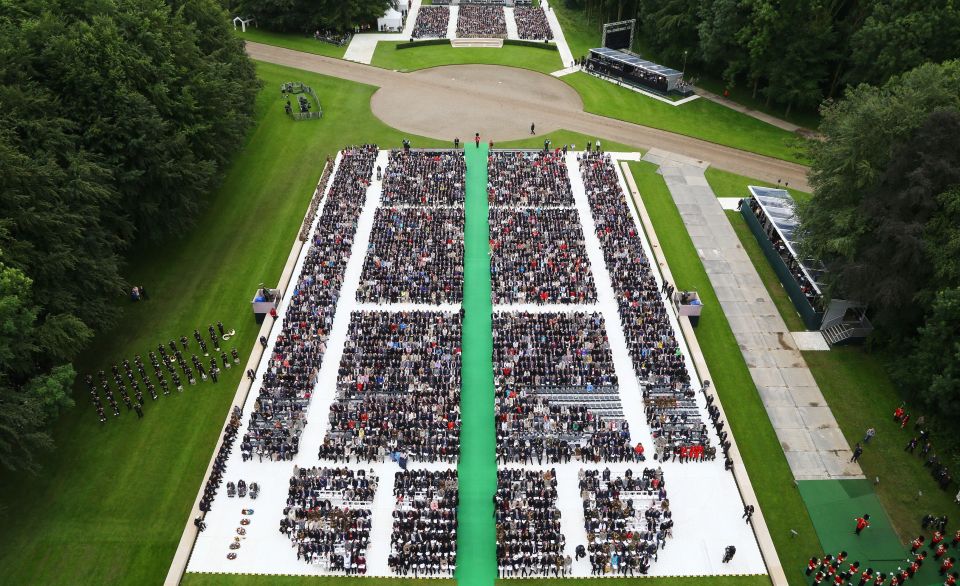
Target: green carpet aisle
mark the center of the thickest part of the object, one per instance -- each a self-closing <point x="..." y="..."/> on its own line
<point x="476" y="547"/>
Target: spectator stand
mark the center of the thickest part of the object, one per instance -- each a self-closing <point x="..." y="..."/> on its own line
<point x="306" y="106"/>
<point x="770" y="214"/>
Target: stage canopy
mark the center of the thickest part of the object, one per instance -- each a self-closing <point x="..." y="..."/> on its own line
<point x="673" y="76"/>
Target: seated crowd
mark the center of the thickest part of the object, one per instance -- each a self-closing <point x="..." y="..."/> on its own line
<point x="627" y="519"/>
<point x="538" y="256"/>
<point x="398" y="388"/>
<point x="481" y="22"/>
<point x="415" y="255"/>
<point x="529" y="539"/>
<point x="793" y="265"/>
<point x="539" y="354"/>
<point x="279" y="413"/>
<point x="532" y="23"/>
<point x="528" y="178"/>
<point x="658" y="361"/>
<point x="425" y="178"/>
<point x="424" y="539"/>
<point x="432" y="21"/>
<point x="320" y="519"/>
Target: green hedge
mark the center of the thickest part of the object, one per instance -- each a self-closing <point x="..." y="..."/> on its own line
<point x="537" y="44"/>
<point x="423" y="43"/>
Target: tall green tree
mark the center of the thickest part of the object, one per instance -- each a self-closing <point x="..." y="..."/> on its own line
<point x="309" y="15"/>
<point x="882" y="179"/>
<point x="898" y="35"/>
<point x="117" y="118"/>
<point x="35" y="380"/>
<point x="931" y="371"/>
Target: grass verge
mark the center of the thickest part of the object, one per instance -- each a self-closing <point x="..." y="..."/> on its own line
<point x="414" y="58"/>
<point x="701" y="118"/>
<point x="727" y="184"/>
<point x="861" y="395"/>
<point x="782" y="506"/>
<point x="297" y="42"/>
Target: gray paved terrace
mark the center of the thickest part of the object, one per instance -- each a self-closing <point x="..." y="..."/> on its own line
<point x="811" y="439"/>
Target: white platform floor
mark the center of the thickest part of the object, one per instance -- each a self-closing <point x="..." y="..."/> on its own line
<point x="703" y="497"/>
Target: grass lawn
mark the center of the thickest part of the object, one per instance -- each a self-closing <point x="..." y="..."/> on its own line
<point x="769" y="277"/>
<point x="769" y="473"/>
<point x="580" y="36"/>
<point x="861" y="395"/>
<point x="295" y="41"/>
<point x="388" y="57"/>
<point x="727" y="184"/>
<point x="700" y="119"/>
<point x="112" y="500"/>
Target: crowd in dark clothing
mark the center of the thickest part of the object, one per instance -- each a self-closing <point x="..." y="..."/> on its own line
<point x="538" y="256"/>
<point x="528" y="178"/>
<point x="669" y="399"/>
<point x="432" y="21"/>
<point x="532" y="23"/>
<point x="481" y="22"/>
<point x="424" y="178"/>
<point x="627" y="519"/>
<point x="415" y="255"/>
<point x="793" y="265"/>
<point x="424" y="539"/>
<point x="122" y="377"/>
<point x="535" y="354"/>
<point x="321" y="520"/>
<point x="398" y="388"/>
<point x="921" y="440"/>
<point x="529" y="539"/>
<point x="220" y="461"/>
<point x="279" y="413"/>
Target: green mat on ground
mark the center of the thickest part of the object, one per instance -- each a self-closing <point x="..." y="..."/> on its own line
<point x="476" y="537"/>
<point x="835" y="504"/>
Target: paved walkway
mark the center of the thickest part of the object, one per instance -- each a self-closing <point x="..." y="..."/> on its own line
<point x="566" y="56"/>
<point x="362" y="46"/>
<point x="811" y="439"/>
<point x="458" y="105"/>
<point x="763" y="117"/>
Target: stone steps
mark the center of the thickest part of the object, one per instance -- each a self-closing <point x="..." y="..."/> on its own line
<point x="488" y="43"/>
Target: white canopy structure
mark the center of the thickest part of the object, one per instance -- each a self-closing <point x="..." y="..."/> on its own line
<point x="243" y="22"/>
<point x="391" y="20"/>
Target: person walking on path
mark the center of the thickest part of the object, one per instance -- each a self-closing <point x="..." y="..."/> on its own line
<point x="869" y="435"/>
<point x="862" y="523"/>
<point x="728" y="553"/>
<point x="532" y="128"/>
<point x="857" y="452"/>
<point x="476" y="139"/>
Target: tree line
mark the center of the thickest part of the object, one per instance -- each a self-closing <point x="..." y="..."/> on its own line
<point x="307" y="16"/>
<point x="791" y="53"/>
<point x="885" y="218"/>
<point x="117" y="118"/>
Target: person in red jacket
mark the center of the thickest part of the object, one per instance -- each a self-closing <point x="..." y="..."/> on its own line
<point x="865" y="576"/>
<point x="880" y="579"/>
<point x="951" y="580"/>
<point x="862" y="523"/>
<point x="941" y="549"/>
<point x="812" y="565"/>
<point x="937" y="538"/>
<point x="917" y="544"/>
<point x="946" y="566"/>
